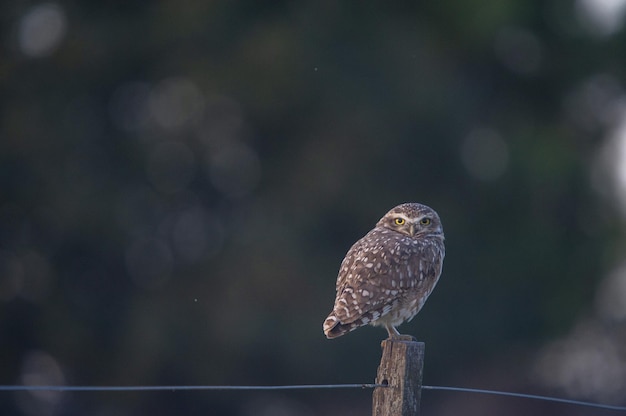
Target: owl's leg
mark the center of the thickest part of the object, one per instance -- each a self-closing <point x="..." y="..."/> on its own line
<point x="396" y="336"/>
<point x="392" y="331"/>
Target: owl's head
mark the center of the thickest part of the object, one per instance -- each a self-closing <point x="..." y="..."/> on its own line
<point x="413" y="219"/>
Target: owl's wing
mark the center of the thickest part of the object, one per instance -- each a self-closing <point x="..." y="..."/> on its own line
<point x="368" y="249"/>
<point x="360" y="299"/>
<point x="365" y="282"/>
<point x="372" y="278"/>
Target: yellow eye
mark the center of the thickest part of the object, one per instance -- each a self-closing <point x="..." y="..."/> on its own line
<point x="399" y="221"/>
<point x="425" y="221"/>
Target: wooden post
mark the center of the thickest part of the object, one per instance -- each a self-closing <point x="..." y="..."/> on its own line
<point x="400" y="369"/>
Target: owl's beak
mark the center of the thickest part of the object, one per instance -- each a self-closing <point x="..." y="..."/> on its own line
<point x="412" y="229"/>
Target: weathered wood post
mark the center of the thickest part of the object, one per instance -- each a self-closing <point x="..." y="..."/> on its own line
<point x="400" y="370"/>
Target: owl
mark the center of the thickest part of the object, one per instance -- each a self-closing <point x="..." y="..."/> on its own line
<point x="388" y="274"/>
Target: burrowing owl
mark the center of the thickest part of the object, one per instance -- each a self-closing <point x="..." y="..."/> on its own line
<point x="388" y="274"/>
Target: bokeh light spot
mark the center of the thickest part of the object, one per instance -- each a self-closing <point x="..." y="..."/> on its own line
<point x="40" y="369"/>
<point x="585" y="364"/>
<point x="41" y="30"/>
<point x="176" y="102"/>
<point x="601" y="17"/>
<point x="609" y="169"/>
<point x="611" y="297"/>
<point x="593" y="103"/>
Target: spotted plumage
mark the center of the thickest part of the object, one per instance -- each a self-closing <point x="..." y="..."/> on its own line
<point x="388" y="274"/>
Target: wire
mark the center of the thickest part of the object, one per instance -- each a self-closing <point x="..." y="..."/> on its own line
<point x="526" y="396"/>
<point x="174" y="388"/>
<point x="303" y="387"/>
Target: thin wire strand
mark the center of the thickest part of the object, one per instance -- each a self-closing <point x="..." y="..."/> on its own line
<point x="304" y="387"/>
<point x="174" y="388"/>
<point x="527" y="396"/>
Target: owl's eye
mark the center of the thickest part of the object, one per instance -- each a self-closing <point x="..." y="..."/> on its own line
<point x="425" y="221"/>
<point x="399" y="221"/>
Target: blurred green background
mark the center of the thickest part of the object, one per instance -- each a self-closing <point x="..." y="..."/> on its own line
<point x="179" y="182"/>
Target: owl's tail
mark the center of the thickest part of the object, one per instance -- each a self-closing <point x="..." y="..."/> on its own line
<point x="333" y="328"/>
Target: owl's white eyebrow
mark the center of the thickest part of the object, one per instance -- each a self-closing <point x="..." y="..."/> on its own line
<point x="402" y="216"/>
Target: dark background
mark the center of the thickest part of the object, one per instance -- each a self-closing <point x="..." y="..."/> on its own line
<point x="179" y="182"/>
